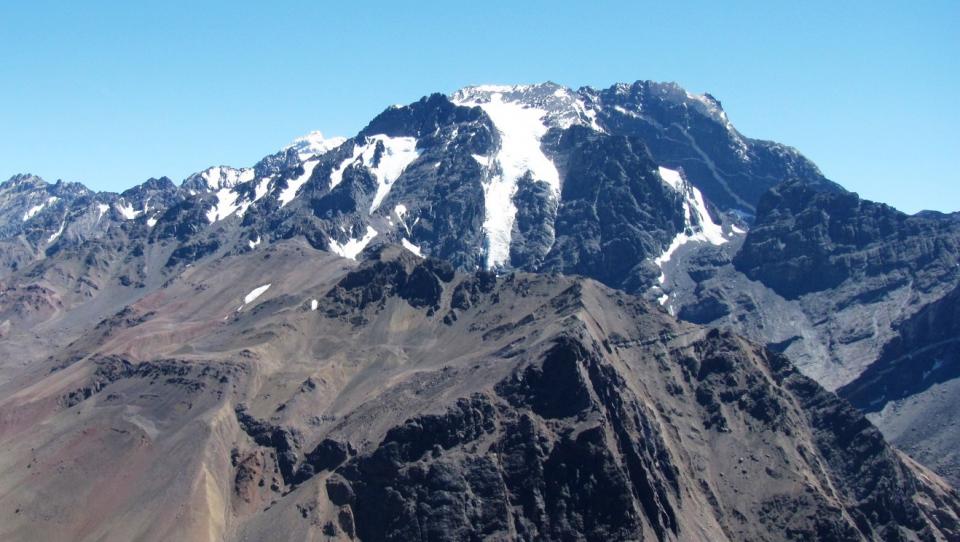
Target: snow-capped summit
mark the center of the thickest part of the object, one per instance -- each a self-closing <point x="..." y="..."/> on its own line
<point x="561" y="106"/>
<point x="218" y="177"/>
<point x="528" y="177"/>
<point x="314" y="144"/>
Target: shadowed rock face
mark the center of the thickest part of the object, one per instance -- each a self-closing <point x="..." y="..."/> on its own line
<point x="808" y="240"/>
<point x="923" y="353"/>
<point x="616" y="213"/>
<point x="823" y="274"/>
<point x="693" y="132"/>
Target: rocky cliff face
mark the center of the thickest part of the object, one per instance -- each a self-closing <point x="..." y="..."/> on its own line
<point x="808" y="240"/>
<point x="692" y="132"/>
<point x="398" y="399"/>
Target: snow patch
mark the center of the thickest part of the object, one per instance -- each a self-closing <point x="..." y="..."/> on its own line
<point x="411" y="247"/>
<point x="698" y="225"/>
<point x="521" y="127"/>
<point x="226" y="205"/>
<point x="401" y="211"/>
<point x="563" y="106"/>
<point x="314" y="144"/>
<point x="151" y="222"/>
<point x="336" y="175"/>
<point x="710" y="231"/>
<point x="253" y="244"/>
<point x="736" y="230"/>
<point x="262" y="188"/>
<point x="32" y="212"/>
<point x="398" y="153"/>
<point x="353" y="247"/>
<point x="671" y="177"/>
<point x="314" y="304"/>
<point x="253" y="295"/>
<point x="218" y="177"/>
<point x="102" y="209"/>
<point x="126" y="210"/>
<point x="57" y="233"/>
<point x="294" y="185"/>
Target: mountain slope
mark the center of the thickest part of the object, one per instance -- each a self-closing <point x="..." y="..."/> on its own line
<point x="851" y="291"/>
<point x="399" y="399"/>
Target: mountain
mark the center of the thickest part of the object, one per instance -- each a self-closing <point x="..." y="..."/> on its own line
<point x="287" y="393"/>
<point x="401" y="385"/>
<point x="480" y="174"/>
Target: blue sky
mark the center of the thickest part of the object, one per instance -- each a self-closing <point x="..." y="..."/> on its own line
<point x="110" y="94"/>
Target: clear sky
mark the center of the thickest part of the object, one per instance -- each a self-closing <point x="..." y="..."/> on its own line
<point x="111" y="93"/>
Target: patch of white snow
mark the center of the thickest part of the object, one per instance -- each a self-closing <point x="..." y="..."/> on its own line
<point x="32" y="212"/>
<point x="401" y="211"/>
<point x="293" y="185"/>
<point x="671" y="177"/>
<point x="699" y="226"/>
<point x="314" y="144"/>
<point x="521" y="128"/>
<point x="126" y="210"/>
<point x="226" y="205"/>
<point x="353" y="247"/>
<point x="57" y="233"/>
<point x="398" y="153"/>
<point x="255" y="293"/>
<point x="102" y="208"/>
<point x="219" y="177"/>
<point x="411" y="247"/>
<point x="336" y="175"/>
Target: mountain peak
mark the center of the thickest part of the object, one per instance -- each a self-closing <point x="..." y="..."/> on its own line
<point x="561" y="106"/>
<point x="218" y="177"/>
<point x="24" y="181"/>
<point x="313" y="144"/>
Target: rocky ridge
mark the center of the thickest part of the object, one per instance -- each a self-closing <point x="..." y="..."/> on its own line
<point x="397" y="398"/>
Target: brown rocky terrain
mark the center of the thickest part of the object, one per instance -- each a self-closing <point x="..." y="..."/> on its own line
<point x="396" y="399"/>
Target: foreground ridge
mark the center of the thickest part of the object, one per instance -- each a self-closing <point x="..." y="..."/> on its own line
<point x="397" y="398"/>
